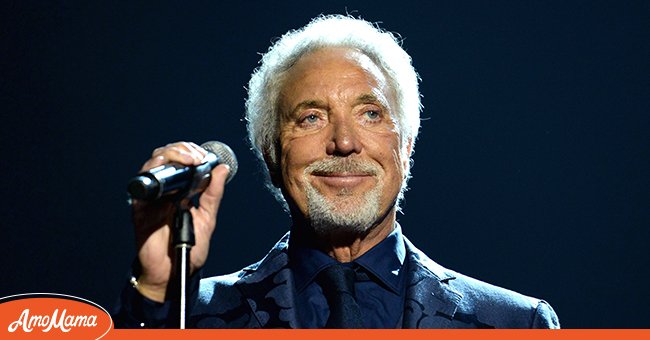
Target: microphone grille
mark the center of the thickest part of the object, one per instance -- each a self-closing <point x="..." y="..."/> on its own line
<point x="225" y="154"/>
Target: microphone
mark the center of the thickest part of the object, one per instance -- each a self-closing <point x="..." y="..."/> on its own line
<point x="182" y="180"/>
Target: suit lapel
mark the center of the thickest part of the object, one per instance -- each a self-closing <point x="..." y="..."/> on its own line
<point x="268" y="288"/>
<point x="430" y="301"/>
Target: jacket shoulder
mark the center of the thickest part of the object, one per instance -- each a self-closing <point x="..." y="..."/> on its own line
<point x="482" y="304"/>
<point x="220" y="304"/>
<point x="248" y="298"/>
<point x="500" y="307"/>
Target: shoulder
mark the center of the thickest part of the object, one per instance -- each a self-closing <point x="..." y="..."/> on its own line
<point x="219" y="304"/>
<point x="481" y="303"/>
<point x="220" y="288"/>
<point x="503" y="307"/>
<point x="274" y="261"/>
<point x="232" y="300"/>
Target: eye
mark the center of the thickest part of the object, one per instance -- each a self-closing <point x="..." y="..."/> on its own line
<point x="312" y="118"/>
<point x="372" y="115"/>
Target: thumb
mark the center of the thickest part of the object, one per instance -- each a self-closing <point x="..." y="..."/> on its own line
<point x="211" y="197"/>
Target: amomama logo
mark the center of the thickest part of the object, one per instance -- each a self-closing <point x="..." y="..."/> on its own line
<point x="35" y="315"/>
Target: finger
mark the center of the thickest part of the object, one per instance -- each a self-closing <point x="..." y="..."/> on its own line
<point x="201" y="150"/>
<point x="196" y="151"/>
<point x="178" y="152"/>
<point x="153" y="162"/>
<point x="211" y="197"/>
<point x="185" y="146"/>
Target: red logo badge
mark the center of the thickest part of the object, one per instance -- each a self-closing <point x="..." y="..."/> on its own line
<point x="47" y="315"/>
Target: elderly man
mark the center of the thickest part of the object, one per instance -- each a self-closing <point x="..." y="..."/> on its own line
<point x="333" y="113"/>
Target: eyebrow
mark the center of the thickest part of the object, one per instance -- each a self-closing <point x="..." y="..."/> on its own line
<point x="368" y="98"/>
<point x="315" y="103"/>
<point x="305" y="104"/>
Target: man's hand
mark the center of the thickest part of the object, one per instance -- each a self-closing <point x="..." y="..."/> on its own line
<point x="152" y="221"/>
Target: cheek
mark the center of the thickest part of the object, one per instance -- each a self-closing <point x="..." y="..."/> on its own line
<point x="386" y="148"/>
<point x="393" y="163"/>
<point x="297" y="153"/>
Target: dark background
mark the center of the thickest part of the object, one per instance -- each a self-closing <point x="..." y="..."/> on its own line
<point x="531" y="170"/>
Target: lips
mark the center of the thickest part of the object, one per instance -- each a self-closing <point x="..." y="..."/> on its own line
<point x="342" y="179"/>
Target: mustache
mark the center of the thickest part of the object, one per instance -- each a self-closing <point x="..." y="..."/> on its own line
<point x="339" y="165"/>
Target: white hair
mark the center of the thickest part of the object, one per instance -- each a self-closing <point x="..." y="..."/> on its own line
<point x="382" y="47"/>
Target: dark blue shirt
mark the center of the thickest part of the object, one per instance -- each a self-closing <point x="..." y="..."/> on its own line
<point x="380" y="286"/>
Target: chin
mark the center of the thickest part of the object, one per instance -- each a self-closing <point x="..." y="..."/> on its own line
<point x="342" y="215"/>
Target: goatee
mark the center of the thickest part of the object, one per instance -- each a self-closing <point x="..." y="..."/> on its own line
<point x="347" y="214"/>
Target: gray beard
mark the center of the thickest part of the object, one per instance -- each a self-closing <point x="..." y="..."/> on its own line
<point x="346" y="214"/>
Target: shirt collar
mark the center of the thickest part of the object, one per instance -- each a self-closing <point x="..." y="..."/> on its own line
<point x="384" y="261"/>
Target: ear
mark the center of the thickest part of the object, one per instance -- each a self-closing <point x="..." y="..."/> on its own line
<point x="274" y="170"/>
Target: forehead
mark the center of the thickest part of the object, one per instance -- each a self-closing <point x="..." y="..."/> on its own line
<point x="330" y="67"/>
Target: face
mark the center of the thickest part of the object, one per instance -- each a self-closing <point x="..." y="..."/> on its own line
<point x="340" y="159"/>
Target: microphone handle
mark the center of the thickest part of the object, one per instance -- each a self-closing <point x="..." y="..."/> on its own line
<point x="172" y="179"/>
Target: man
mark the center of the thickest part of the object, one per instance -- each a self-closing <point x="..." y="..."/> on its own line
<point x="333" y="113"/>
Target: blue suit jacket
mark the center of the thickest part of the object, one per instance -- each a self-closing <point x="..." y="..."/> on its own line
<point x="262" y="296"/>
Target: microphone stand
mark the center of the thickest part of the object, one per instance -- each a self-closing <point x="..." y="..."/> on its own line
<point x="182" y="241"/>
<point x="182" y="238"/>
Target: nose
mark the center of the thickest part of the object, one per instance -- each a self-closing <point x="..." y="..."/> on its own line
<point x="344" y="139"/>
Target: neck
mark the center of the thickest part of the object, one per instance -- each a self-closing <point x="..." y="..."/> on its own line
<point x="343" y="247"/>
